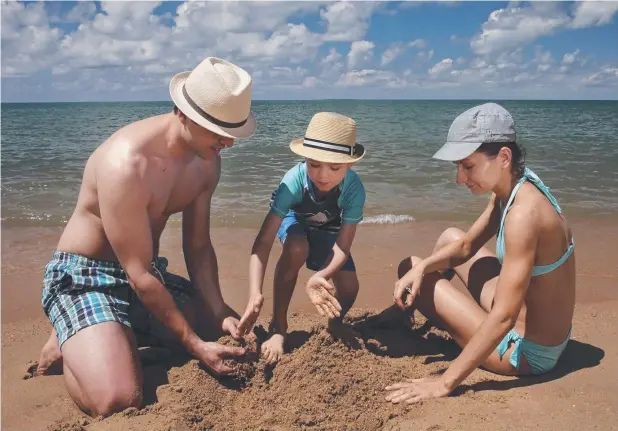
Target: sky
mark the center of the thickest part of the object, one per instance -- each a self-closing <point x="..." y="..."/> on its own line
<point x="117" y="50"/>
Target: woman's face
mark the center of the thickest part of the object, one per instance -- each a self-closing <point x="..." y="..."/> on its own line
<point x="480" y="172"/>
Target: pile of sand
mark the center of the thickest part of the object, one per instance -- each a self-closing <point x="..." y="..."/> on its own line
<point x="322" y="383"/>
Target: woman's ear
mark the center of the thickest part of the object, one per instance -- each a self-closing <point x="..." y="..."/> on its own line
<point x="505" y="155"/>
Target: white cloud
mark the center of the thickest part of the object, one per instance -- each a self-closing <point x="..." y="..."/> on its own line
<point x="418" y="43"/>
<point x="608" y="76"/>
<point x="593" y="13"/>
<point x="310" y="82"/>
<point x="442" y="66"/>
<point x="516" y="26"/>
<point x="358" y="78"/>
<point x="347" y="21"/>
<point x="392" y="53"/>
<point x="29" y="44"/>
<point x="360" y="52"/>
<point x="569" y="57"/>
<point x="332" y="57"/>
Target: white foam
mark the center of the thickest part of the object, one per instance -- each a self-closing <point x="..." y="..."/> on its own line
<point x="388" y="219"/>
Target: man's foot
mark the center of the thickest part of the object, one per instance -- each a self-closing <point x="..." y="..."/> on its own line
<point x="50" y="361"/>
<point x="272" y="349"/>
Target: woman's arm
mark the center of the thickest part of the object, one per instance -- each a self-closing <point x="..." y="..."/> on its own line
<point x="521" y="238"/>
<point x="451" y="255"/>
<point x="521" y="233"/>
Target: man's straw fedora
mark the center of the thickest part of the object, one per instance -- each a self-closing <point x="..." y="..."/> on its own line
<point x="216" y="95"/>
<point x="329" y="138"/>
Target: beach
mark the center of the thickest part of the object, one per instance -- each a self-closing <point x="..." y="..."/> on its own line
<point x="323" y="384"/>
<point x="579" y="394"/>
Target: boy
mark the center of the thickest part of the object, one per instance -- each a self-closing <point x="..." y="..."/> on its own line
<point x="314" y="212"/>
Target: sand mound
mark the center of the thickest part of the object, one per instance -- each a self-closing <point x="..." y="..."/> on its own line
<point x="323" y="382"/>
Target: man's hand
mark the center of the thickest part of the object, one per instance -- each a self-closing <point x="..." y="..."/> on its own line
<point x="322" y="295"/>
<point x="251" y="314"/>
<point x="212" y="355"/>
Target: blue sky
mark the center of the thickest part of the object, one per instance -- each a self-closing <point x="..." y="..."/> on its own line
<point x="100" y="51"/>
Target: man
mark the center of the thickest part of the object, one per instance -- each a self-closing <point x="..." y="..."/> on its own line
<point x="106" y="283"/>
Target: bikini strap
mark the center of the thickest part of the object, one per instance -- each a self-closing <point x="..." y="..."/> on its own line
<point x="534" y="179"/>
<point x="510" y="201"/>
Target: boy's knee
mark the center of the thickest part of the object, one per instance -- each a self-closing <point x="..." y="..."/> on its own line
<point x="297" y="249"/>
<point x="115" y="400"/>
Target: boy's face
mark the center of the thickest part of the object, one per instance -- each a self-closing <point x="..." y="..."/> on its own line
<point x="326" y="176"/>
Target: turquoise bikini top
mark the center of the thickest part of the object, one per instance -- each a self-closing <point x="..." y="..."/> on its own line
<point x="534" y="179"/>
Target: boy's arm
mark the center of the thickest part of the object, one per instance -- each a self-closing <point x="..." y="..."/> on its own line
<point x="257" y="267"/>
<point x="340" y="253"/>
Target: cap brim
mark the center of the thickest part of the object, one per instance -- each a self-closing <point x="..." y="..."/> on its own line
<point x="245" y="131"/>
<point x="324" y="156"/>
<point x="454" y="151"/>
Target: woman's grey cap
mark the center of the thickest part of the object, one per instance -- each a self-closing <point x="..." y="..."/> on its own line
<point x="482" y="124"/>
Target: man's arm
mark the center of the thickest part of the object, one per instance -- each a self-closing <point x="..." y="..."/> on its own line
<point x="199" y="252"/>
<point x="521" y="238"/>
<point x="123" y="202"/>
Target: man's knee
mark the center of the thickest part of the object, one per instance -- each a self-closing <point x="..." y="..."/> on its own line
<point x="114" y="400"/>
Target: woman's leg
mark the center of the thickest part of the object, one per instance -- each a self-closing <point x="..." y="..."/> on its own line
<point x="459" y="315"/>
<point x="293" y="257"/>
<point x="477" y="272"/>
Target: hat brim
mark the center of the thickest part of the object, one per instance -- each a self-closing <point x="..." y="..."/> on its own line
<point x="325" y="156"/>
<point x="455" y="151"/>
<point x="176" y="84"/>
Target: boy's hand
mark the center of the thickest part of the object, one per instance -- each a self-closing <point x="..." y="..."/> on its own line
<point x="322" y="295"/>
<point x="251" y="314"/>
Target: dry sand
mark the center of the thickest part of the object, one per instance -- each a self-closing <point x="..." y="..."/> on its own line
<point x="323" y="383"/>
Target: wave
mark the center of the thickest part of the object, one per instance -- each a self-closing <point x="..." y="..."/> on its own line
<point x="388" y="219"/>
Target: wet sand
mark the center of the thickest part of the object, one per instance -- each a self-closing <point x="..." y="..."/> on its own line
<point x="324" y="384"/>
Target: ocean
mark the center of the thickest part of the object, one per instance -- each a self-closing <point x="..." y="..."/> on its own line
<point x="571" y="145"/>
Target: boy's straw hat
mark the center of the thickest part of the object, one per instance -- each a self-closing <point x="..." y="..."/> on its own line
<point x="330" y="138"/>
<point x="217" y="96"/>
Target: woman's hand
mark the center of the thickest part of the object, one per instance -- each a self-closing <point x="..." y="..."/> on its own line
<point x="410" y="284"/>
<point x="412" y="391"/>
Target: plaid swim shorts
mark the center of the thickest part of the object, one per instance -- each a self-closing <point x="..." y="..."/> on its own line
<point x="79" y="292"/>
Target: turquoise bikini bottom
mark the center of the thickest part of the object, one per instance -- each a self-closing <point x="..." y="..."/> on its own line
<point x="540" y="358"/>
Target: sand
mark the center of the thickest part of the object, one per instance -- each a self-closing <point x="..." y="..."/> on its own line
<point x="324" y="383"/>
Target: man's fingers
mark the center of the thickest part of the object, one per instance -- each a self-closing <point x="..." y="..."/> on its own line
<point x="233" y="351"/>
<point x="224" y="370"/>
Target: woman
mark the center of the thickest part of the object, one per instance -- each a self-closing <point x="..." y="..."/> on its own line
<point x="515" y="317"/>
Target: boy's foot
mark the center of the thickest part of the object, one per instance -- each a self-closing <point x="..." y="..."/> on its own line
<point x="50" y="361"/>
<point x="272" y="349"/>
